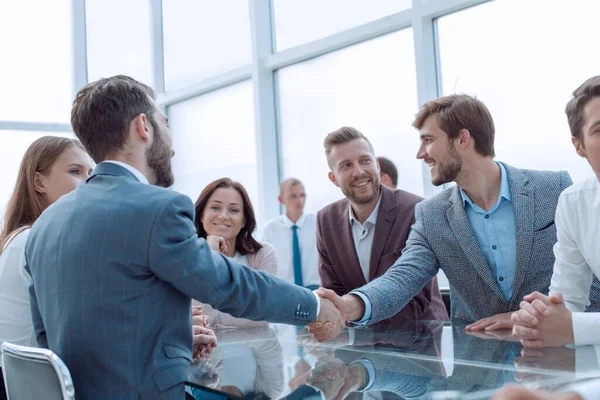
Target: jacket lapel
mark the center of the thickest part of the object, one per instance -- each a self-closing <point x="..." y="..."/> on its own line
<point x="524" y="211"/>
<point x="383" y="227"/>
<point x="354" y="270"/>
<point x="457" y="218"/>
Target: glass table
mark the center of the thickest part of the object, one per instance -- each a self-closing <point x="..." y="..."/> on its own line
<point x="417" y="360"/>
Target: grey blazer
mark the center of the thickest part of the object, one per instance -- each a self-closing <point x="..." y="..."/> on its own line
<point x="115" y="264"/>
<point x="441" y="238"/>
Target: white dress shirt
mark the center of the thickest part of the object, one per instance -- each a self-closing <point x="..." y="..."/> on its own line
<point x="578" y="255"/>
<point x="363" y="235"/>
<point x="141" y="177"/>
<point x="16" y="325"/>
<point x="278" y="232"/>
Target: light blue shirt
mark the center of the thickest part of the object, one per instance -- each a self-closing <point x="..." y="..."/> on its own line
<point x="496" y="234"/>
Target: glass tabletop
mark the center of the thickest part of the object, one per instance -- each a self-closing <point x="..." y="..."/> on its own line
<point x="416" y="360"/>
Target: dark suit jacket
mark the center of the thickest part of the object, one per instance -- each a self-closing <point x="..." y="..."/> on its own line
<point x="115" y="264"/>
<point x="339" y="267"/>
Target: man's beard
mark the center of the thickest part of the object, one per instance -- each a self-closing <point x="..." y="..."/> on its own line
<point x="356" y="199"/>
<point x="449" y="170"/>
<point x="158" y="157"/>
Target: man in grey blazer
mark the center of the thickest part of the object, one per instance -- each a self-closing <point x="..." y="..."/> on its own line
<point x="116" y="262"/>
<point x="492" y="234"/>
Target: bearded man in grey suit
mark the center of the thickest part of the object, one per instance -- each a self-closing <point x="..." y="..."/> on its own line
<point x="116" y="262"/>
<point x="492" y="234"/>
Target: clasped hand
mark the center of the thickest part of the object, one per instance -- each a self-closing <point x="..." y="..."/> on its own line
<point x="543" y="321"/>
<point x="335" y="311"/>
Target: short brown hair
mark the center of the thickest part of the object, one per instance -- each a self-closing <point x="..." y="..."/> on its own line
<point x="461" y="111"/>
<point x="576" y="106"/>
<point x="387" y="167"/>
<point x="343" y="135"/>
<point x="103" y="110"/>
<point x="245" y="243"/>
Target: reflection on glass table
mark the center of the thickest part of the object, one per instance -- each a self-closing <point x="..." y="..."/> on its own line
<point x="417" y="360"/>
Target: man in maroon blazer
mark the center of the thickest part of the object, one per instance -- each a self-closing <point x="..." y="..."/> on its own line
<point x="360" y="237"/>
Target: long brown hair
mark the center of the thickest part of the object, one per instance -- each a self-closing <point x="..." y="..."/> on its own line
<point x="245" y="243"/>
<point x="26" y="204"/>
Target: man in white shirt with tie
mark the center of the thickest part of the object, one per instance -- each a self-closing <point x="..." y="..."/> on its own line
<point x="558" y="319"/>
<point x="294" y="236"/>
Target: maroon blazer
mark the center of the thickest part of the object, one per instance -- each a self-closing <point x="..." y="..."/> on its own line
<point x="339" y="267"/>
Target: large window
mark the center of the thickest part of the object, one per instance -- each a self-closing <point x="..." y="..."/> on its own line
<point x="14" y="145"/>
<point x="523" y="64"/>
<point x="370" y="86"/>
<point x="301" y="21"/>
<point x="118" y="39"/>
<point x="213" y="137"/>
<point x="35" y="61"/>
<point x="203" y="39"/>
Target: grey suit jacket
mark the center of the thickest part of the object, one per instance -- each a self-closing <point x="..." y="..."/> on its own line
<point x="115" y="264"/>
<point x="441" y="237"/>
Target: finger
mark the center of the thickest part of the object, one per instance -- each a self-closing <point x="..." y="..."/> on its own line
<point x="479" y="325"/>
<point x="535" y="343"/>
<point x="532" y="296"/>
<point x="197" y="310"/>
<point x="327" y="294"/>
<point x="557" y="298"/>
<point x="528" y="314"/>
<point x="524" y="332"/>
<point x="532" y="353"/>
<point x="495" y="326"/>
<point x="541" y="307"/>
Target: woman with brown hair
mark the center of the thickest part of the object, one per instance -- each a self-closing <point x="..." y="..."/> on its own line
<point x="52" y="166"/>
<point x="225" y="218"/>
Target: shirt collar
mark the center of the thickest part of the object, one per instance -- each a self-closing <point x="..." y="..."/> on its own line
<point x="504" y="189"/>
<point x="131" y="169"/>
<point x="289" y="223"/>
<point x="372" y="218"/>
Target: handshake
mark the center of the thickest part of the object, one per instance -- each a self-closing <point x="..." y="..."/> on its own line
<point x="334" y="313"/>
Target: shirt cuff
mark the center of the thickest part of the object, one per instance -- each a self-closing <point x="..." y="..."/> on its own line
<point x="585" y="328"/>
<point x="351" y="336"/>
<point x="318" y="304"/>
<point x="367" y="317"/>
<point x="370" y="370"/>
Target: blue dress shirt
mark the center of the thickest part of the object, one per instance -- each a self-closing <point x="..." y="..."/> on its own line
<point x="496" y="234"/>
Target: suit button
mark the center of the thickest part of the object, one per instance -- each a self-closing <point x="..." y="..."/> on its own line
<point x="501" y="279"/>
<point x="494" y="247"/>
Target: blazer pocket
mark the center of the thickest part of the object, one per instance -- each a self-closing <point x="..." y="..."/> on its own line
<point x="549" y="229"/>
<point x="174" y="369"/>
<point x="172" y="351"/>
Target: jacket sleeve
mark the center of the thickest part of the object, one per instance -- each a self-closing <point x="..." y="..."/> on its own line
<point x="416" y="266"/>
<point x="176" y="255"/>
<point x="329" y="278"/>
<point x="264" y="260"/>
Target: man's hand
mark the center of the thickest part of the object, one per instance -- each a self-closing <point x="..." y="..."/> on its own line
<point x="498" y="321"/>
<point x="198" y="318"/>
<point x="518" y="393"/>
<point x="205" y="341"/>
<point x="539" y="364"/>
<point x="329" y="323"/>
<point x="543" y="321"/>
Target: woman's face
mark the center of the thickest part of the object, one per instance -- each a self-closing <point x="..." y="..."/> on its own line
<point x="72" y="167"/>
<point x="224" y="214"/>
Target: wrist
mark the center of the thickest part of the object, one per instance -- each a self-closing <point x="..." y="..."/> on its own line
<point x="354" y="307"/>
<point x="358" y="375"/>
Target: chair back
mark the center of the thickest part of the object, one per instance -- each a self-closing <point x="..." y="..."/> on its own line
<point x="34" y="373"/>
